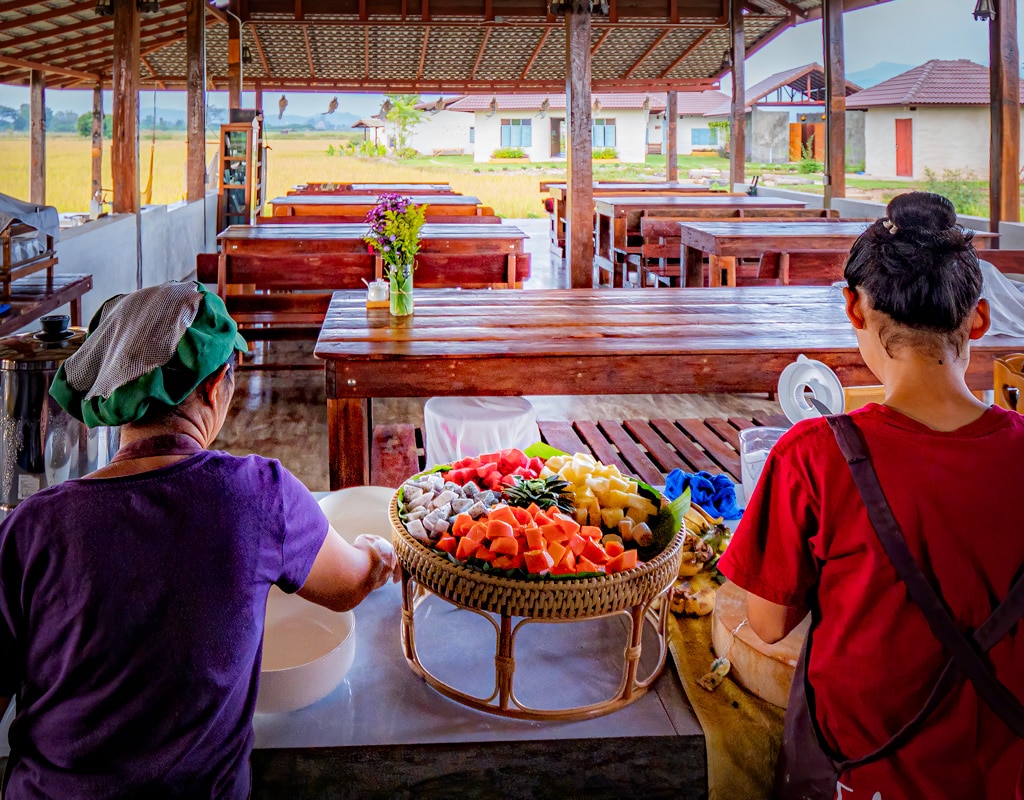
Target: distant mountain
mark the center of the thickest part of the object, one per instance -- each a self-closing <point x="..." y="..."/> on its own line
<point x="882" y="71"/>
<point x="338" y="121"/>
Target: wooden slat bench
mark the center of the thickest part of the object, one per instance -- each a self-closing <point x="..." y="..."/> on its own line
<point x="490" y="218"/>
<point x="648" y="449"/>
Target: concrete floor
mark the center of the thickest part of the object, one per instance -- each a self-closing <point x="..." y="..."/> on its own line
<point x="283" y="413"/>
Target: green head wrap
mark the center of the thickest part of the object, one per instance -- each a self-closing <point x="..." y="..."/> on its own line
<point x="146" y="349"/>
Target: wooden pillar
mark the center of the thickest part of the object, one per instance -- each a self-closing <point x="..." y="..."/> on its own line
<point x="738" y="121"/>
<point x="37" y="138"/>
<point x="234" y="63"/>
<point x="258" y="104"/>
<point x="124" y="151"/>
<point x="672" y="132"/>
<point x="1004" y="152"/>
<point x="835" y="101"/>
<point x="195" y="103"/>
<point x="579" y="245"/>
<point x="97" y="141"/>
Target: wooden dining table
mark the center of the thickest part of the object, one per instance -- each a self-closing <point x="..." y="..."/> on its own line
<point x="581" y="342"/>
<point x="560" y="198"/>
<point x="752" y="239"/>
<point x="617" y="217"/>
<point x="323" y="204"/>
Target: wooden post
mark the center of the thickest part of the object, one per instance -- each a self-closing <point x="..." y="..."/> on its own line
<point x="234" y="63"/>
<point x="579" y="245"/>
<point x="835" y="101"/>
<point x="97" y="142"/>
<point x="195" y="103"/>
<point x="258" y="105"/>
<point x="672" y="132"/>
<point x="37" y="138"/>
<point x="1004" y="152"/>
<point x="124" y="151"/>
<point x="738" y="122"/>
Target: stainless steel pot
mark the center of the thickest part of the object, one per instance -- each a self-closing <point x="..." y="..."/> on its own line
<point x="40" y="443"/>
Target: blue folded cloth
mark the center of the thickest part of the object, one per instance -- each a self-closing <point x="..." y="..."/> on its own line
<point x="714" y="493"/>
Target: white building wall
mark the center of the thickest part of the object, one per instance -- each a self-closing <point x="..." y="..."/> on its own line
<point x="955" y="138"/>
<point x="630" y="133"/>
<point x="657" y="128"/>
<point x="443" y="130"/>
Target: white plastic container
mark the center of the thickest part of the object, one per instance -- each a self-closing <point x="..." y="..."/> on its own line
<point x="755" y="444"/>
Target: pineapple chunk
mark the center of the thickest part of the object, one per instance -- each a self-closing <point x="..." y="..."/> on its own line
<point x="641" y="503"/>
<point x="618" y="483"/>
<point x="599" y="486"/>
<point x="569" y="473"/>
<point x="555" y="463"/>
<point x="584" y="458"/>
<point x="636" y="515"/>
<point x="581" y="515"/>
<point x="617" y="499"/>
<point x="626" y="527"/>
<point x="546" y="472"/>
<point x="633" y="487"/>
<point x="611" y="517"/>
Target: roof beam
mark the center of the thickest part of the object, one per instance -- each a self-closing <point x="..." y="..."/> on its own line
<point x="795" y="10"/>
<point x="536" y="52"/>
<point x="366" y="54"/>
<point x="32" y="65"/>
<point x="17" y="5"/>
<point x="94" y="22"/>
<point x="156" y="26"/>
<point x="423" y="52"/>
<point x="647" y="52"/>
<point x="448" y="87"/>
<point x="152" y="72"/>
<point x="600" y="41"/>
<point x="309" y="52"/>
<point x="696" y="43"/>
<point x="425" y="6"/>
<point x="259" y="49"/>
<point x="32" y="19"/>
<point x="480" y="53"/>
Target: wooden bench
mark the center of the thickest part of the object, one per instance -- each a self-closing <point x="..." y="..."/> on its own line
<point x="648" y="449"/>
<point x="658" y="257"/>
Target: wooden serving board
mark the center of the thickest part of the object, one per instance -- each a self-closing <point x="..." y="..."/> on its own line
<point x="764" y="670"/>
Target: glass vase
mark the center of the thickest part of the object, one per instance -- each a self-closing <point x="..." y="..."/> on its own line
<point x="401" y="291"/>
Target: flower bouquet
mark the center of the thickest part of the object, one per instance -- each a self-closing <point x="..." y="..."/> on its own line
<point x="394" y="233"/>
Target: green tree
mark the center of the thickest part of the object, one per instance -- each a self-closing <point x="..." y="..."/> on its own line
<point x="404" y="115"/>
<point x="84" y="125"/>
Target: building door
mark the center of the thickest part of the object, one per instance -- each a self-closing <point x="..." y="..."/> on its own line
<point x="557" y="137"/>
<point x="905" y="148"/>
<point x="796" y="140"/>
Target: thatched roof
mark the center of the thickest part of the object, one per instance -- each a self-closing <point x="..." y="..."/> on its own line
<point x="466" y="46"/>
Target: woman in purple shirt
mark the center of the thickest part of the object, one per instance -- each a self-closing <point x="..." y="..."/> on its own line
<point x="132" y="601"/>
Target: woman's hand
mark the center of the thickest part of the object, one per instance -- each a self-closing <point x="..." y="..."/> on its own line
<point x="343" y="574"/>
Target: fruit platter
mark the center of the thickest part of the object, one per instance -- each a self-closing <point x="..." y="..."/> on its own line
<point x="538" y="517"/>
<point x="539" y="536"/>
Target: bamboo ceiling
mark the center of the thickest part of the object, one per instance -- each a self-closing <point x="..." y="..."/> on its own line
<point x="445" y="46"/>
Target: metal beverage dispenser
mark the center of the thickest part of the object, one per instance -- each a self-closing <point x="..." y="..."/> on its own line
<point x="40" y="443"/>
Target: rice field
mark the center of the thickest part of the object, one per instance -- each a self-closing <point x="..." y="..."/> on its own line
<point x="290" y="161"/>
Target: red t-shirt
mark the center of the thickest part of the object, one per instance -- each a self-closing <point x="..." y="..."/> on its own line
<point x="959" y="500"/>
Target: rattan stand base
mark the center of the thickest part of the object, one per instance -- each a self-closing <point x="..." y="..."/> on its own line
<point x="503" y="700"/>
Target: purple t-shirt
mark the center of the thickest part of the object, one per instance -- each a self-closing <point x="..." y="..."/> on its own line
<point x="131" y="625"/>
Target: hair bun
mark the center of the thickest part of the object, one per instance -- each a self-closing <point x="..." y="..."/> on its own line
<point x="922" y="213"/>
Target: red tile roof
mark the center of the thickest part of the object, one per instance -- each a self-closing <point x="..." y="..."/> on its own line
<point x="934" y="83"/>
<point x="688" y="103"/>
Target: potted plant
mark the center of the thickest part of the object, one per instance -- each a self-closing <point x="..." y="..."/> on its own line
<point x="395" y="224"/>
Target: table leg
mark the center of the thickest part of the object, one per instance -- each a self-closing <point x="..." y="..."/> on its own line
<point x="348" y="438"/>
<point x="76" y="312"/>
<point x="693" y="263"/>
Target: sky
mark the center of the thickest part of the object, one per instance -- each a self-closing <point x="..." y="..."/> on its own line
<point x="901" y="31"/>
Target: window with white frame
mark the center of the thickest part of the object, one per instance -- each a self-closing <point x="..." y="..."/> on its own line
<point x="604" y="132"/>
<point x="516" y="133"/>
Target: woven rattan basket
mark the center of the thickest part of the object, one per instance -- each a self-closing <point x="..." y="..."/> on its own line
<point x="561" y="599"/>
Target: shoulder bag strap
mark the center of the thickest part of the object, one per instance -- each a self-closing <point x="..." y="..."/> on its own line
<point x="967" y="658"/>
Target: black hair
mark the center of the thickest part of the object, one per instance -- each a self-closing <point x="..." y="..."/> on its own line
<point x="918" y="267"/>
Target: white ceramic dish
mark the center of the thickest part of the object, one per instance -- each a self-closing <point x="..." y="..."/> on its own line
<point x="359" y="509"/>
<point x="307" y="651"/>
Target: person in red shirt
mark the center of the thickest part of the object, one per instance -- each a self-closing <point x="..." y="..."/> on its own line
<point x="952" y="470"/>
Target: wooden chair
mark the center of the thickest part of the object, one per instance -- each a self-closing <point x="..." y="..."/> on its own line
<point x="796" y="268"/>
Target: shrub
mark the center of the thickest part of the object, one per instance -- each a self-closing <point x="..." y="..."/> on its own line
<point x="508" y="152"/>
<point x="605" y="153"/>
<point x="330" y="149"/>
<point x="405" y="152"/>
<point x="808" y="163"/>
<point x="962" y="187"/>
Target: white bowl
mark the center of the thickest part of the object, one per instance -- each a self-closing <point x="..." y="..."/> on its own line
<point x="359" y="509"/>
<point x="307" y="651"/>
